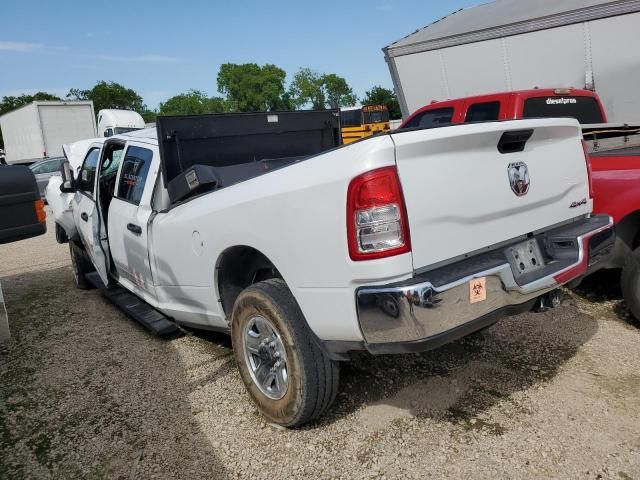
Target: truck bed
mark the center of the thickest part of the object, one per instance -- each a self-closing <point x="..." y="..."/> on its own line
<point x="618" y="152"/>
<point x="206" y="152"/>
<point x="612" y="140"/>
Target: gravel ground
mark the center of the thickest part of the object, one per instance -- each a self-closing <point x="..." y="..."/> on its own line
<point x="86" y="393"/>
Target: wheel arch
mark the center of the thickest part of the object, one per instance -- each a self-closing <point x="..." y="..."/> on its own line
<point x="237" y="268"/>
<point x="627" y="239"/>
<point x="628" y="230"/>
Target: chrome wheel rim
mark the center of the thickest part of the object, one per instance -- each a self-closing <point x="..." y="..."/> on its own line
<point x="265" y="357"/>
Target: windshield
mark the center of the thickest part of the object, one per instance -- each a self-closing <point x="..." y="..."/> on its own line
<point x="111" y="164"/>
<point x="585" y="109"/>
<point x="376" y="116"/>
<point x="119" y="130"/>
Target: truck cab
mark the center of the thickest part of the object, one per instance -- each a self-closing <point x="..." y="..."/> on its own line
<point x="583" y="105"/>
<point x="115" y="122"/>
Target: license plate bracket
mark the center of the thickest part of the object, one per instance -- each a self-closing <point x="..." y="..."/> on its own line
<point x="525" y="257"/>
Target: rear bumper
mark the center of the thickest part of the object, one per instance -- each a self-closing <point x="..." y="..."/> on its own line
<point x="434" y="308"/>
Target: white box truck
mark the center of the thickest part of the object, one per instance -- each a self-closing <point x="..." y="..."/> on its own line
<point x="39" y="129"/>
<point x="510" y="45"/>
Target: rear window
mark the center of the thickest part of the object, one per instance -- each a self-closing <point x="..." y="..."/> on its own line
<point x="431" y="118"/>
<point x="584" y="109"/>
<point x="120" y="130"/>
<point x="483" y="112"/>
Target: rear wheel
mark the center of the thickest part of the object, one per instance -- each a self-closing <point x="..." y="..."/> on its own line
<point x="630" y="282"/>
<point x="80" y="267"/>
<point x="289" y="377"/>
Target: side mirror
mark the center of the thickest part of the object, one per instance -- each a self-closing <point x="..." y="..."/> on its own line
<point x="22" y="212"/>
<point x="68" y="184"/>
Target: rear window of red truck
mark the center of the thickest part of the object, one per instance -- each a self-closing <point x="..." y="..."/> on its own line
<point x="584" y="109"/>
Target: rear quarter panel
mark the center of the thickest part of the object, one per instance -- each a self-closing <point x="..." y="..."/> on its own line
<point x="295" y="216"/>
<point x="615" y="185"/>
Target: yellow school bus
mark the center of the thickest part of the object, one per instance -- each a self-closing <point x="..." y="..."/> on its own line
<point x="360" y="122"/>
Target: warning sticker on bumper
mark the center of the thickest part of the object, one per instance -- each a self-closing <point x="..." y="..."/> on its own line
<point x="478" y="290"/>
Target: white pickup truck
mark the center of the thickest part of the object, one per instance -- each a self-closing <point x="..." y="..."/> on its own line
<point x="262" y="226"/>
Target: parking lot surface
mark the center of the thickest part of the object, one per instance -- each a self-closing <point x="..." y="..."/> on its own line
<point x="87" y="393"/>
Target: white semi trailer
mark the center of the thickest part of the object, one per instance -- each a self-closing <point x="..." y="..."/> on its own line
<point x="522" y="44"/>
<point x="38" y="130"/>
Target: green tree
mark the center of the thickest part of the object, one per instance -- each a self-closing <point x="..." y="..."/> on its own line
<point x="383" y="96"/>
<point x="321" y="91"/>
<point x="10" y="103"/>
<point x="338" y="91"/>
<point x="193" y="102"/>
<point x="252" y="88"/>
<point x="148" y="115"/>
<point x="110" y="95"/>
<point x="306" y="89"/>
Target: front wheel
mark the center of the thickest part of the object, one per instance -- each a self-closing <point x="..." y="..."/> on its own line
<point x="630" y="282"/>
<point x="289" y="377"/>
<point x="80" y="267"/>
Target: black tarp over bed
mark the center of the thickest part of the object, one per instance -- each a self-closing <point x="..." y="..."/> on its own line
<point x="200" y="152"/>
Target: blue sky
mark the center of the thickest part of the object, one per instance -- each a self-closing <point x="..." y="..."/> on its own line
<point x="162" y="48"/>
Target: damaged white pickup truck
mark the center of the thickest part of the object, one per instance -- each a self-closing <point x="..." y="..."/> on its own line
<point x="263" y="226"/>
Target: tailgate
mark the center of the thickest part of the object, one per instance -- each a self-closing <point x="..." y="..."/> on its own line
<point x="463" y="194"/>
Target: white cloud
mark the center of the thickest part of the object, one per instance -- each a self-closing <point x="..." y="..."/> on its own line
<point x="19" y="46"/>
<point x="138" y="59"/>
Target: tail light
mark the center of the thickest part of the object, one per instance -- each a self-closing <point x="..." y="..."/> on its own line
<point x="41" y="215"/>
<point x="589" y="172"/>
<point x="377" y="225"/>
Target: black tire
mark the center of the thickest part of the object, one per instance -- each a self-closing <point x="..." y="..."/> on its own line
<point x="312" y="376"/>
<point x="61" y="235"/>
<point x="80" y="267"/>
<point x="630" y="282"/>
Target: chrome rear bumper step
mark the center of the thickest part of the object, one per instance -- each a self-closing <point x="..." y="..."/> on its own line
<point x="436" y="306"/>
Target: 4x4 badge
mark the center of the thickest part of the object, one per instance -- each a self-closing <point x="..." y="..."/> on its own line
<point x="519" y="178"/>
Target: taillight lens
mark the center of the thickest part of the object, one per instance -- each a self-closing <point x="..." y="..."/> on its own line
<point x="589" y="172"/>
<point x="377" y="223"/>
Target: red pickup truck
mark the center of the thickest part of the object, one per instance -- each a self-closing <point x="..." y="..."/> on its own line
<point x="614" y="153"/>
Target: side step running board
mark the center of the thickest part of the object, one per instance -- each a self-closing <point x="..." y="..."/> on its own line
<point x="138" y="309"/>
